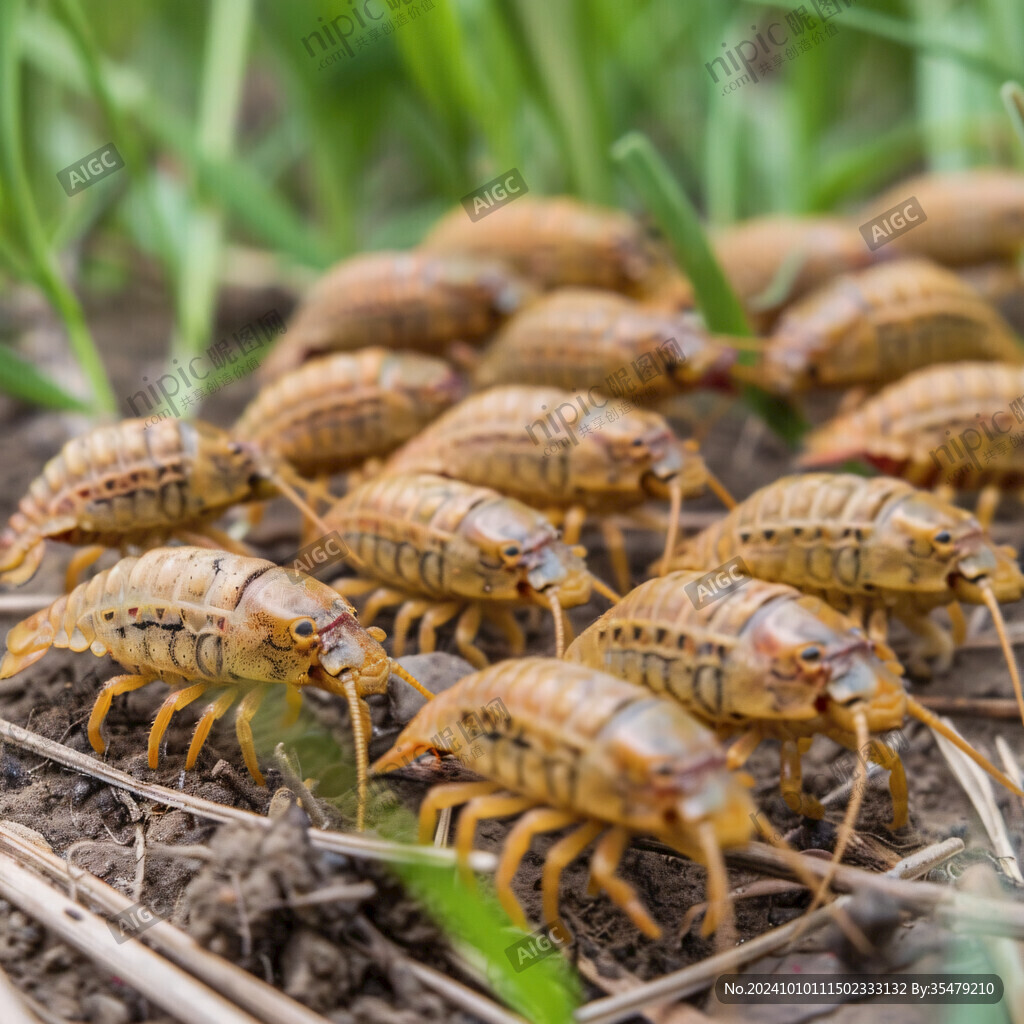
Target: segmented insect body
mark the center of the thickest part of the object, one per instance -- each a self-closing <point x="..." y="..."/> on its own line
<point x="132" y="484"/>
<point x="969" y="216"/>
<point x="401" y="300"/>
<point x="558" y="452"/>
<point x="335" y="412"/>
<point x="580" y="747"/>
<point x="442" y="547"/>
<point x="875" y="547"/>
<point x="806" y="251"/>
<point x="554" y="242"/>
<point x="578" y="338"/>
<point x="873" y="327"/>
<point x="206" y="620"/>
<point x="952" y="424"/>
<point x="765" y="661"/>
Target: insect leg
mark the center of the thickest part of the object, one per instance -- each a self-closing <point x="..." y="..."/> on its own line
<point x="738" y="753"/>
<point x="540" y="819"/>
<point x="719" y="916"/>
<point x="177" y="700"/>
<point x="353" y="586"/>
<point x="381" y="598"/>
<point x="988" y="502"/>
<point x="559" y="857"/>
<point x="503" y="618"/>
<point x="449" y="795"/>
<point x="882" y="755"/>
<point x="243" y="716"/>
<point x="22" y="561"/>
<point x="572" y="524"/>
<point x="790" y="783"/>
<point x="465" y="632"/>
<point x="956" y="617"/>
<point x="602" y="867"/>
<point x="293" y="700"/>
<point x="410" y="611"/>
<point x="500" y="805"/>
<point x="80" y="561"/>
<point x="937" y="643"/>
<point x="111" y="689"/>
<point x="615" y="543"/>
<point x="213" y="711"/>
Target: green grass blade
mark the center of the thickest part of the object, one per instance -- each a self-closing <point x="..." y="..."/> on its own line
<point x="22" y="380"/>
<point x="678" y="220"/>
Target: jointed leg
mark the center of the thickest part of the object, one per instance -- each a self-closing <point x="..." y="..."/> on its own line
<point x="559" y="857"/>
<point x="381" y="598"/>
<point x="503" y="618"/>
<point x="436" y="617"/>
<point x="958" y="621"/>
<point x="572" y="524"/>
<point x="353" y="586"/>
<point x="738" y="753"/>
<point x="500" y="805"/>
<point x="111" y="689"/>
<point x="243" y="716"/>
<point x="213" y="711"/>
<point x="407" y="614"/>
<point x="177" y="700"/>
<point x="719" y="916"/>
<point x="466" y="630"/>
<point x="602" y="866"/>
<point x="882" y="755"/>
<point x="540" y="819"/>
<point x="790" y="783"/>
<point x="449" y="795"/>
<point x="293" y="702"/>
<point x="80" y="561"/>
<point x="988" y="502"/>
<point x="615" y="544"/>
<point x="937" y="643"/>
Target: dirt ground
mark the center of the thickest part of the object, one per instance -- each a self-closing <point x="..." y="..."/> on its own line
<point x="328" y="955"/>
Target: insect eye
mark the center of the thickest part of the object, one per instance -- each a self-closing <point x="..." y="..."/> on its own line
<point x="235" y="448"/>
<point x="811" y="654"/>
<point x="942" y="537"/>
<point x="638" y="442"/>
<point x="304" y="627"/>
<point x="510" y="551"/>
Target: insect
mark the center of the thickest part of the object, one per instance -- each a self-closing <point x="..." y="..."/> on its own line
<point x="133" y="484"/>
<point x="586" y="338"/>
<point x="401" y="300"/>
<point x="873" y="327"/>
<point x="875" y="548"/>
<point x="335" y="412"/>
<point x="970" y="216"/>
<point x="206" y="620"/>
<point x="580" y="747"/>
<point x="800" y="252"/>
<point x="763" y="660"/>
<point x="554" y="242"/>
<point x="509" y="438"/>
<point x="950" y="425"/>
<point x="442" y="548"/>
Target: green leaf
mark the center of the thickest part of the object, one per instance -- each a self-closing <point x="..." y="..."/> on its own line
<point x="22" y="380"/>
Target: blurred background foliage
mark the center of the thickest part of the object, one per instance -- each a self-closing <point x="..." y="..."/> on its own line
<point x="235" y="137"/>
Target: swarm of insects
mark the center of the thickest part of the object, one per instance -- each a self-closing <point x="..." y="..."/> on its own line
<point x="872" y="547"/>
<point x="207" y="621"/>
<point x="552" y="450"/>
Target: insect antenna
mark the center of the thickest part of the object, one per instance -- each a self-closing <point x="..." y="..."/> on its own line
<point x="278" y="476"/>
<point x="604" y="590"/>
<point x="989" y="597"/>
<point x="720" y="492"/>
<point x="410" y="679"/>
<point x="675" y="491"/>
<point x="922" y="714"/>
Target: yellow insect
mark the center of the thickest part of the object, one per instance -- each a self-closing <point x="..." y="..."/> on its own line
<point x="401" y="300"/>
<point x="333" y="413"/>
<point x="765" y="661"/>
<point x="205" y="621"/>
<point x="875" y="548"/>
<point x="870" y="328"/>
<point x="956" y="426"/>
<point x="970" y="216"/>
<point x="528" y="443"/>
<point x="554" y="242"/>
<point x="442" y="548"/>
<point x="586" y="339"/>
<point x="579" y="747"/>
<point x="129" y="484"/>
